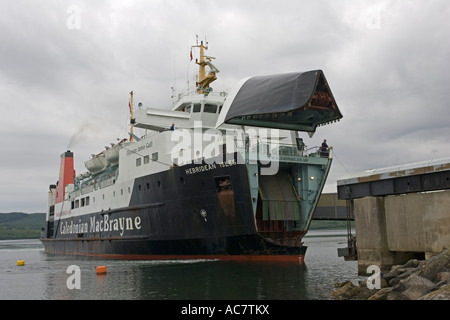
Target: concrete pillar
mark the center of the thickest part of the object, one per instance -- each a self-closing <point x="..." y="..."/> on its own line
<point x="393" y="229"/>
<point x="370" y="231"/>
<point x="418" y="222"/>
<point x="371" y="236"/>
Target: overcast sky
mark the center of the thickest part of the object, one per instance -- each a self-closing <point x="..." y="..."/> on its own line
<point x="67" y="67"/>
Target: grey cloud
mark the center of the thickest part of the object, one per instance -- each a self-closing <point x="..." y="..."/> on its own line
<point x="389" y="75"/>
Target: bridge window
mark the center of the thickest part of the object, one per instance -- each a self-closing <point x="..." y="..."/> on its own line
<point x="197" y="108"/>
<point x="210" y="108"/>
<point x="185" y="107"/>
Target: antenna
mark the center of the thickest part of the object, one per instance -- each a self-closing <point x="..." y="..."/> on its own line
<point x="173" y="95"/>
<point x="174" y="87"/>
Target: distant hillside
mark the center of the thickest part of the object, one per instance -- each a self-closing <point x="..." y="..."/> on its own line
<point x="19" y="225"/>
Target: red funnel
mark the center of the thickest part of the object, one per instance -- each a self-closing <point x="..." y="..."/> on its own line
<point x="66" y="175"/>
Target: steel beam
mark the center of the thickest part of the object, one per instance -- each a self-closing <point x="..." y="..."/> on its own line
<point x="425" y="182"/>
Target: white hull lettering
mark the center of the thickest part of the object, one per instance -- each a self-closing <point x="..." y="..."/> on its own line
<point x="106" y="224"/>
<point x="211" y="166"/>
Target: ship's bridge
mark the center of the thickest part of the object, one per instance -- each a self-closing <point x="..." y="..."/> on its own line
<point x="204" y="105"/>
<point x="187" y="110"/>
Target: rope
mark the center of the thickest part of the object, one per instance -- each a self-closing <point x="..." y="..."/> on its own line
<point x="335" y="156"/>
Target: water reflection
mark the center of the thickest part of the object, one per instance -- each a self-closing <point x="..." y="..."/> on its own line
<point x="173" y="280"/>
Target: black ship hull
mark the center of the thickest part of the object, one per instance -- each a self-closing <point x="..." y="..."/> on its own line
<point x="248" y="248"/>
<point x="195" y="211"/>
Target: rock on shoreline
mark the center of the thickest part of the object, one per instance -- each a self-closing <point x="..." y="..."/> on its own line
<point x="415" y="280"/>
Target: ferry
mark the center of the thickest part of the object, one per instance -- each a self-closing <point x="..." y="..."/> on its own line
<point x="222" y="175"/>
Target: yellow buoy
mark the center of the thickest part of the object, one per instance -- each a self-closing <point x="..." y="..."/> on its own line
<point x="20" y="262"/>
<point x="101" y="270"/>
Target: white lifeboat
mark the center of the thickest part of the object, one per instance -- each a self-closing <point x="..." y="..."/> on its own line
<point x="112" y="154"/>
<point x="96" y="164"/>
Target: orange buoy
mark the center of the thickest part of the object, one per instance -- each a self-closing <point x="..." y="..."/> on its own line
<point x="101" y="270"/>
<point x="20" y="262"/>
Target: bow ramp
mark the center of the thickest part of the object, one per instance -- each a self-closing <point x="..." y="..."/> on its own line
<point x="298" y="101"/>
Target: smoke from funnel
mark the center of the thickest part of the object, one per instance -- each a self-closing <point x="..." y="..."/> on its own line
<point x="87" y="129"/>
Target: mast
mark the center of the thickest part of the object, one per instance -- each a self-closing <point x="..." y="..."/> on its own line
<point x="130" y="105"/>
<point x="203" y="79"/>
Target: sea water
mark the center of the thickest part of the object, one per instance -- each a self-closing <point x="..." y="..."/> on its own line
<point x="52" y="277"/>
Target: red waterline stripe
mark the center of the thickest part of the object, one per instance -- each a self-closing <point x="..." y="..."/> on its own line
<point x="279" y="258"/>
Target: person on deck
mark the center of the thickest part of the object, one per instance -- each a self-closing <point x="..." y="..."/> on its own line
<point x="324" y="149"/>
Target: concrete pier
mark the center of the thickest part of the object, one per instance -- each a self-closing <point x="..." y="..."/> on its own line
<point x="393" y="228"/>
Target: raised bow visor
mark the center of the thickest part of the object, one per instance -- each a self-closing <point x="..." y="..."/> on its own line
<point x="294" y="101"/>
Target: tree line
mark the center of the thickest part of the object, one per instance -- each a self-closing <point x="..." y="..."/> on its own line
<point x="19" y="225"/>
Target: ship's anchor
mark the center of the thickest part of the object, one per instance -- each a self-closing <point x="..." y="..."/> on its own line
<point x="203" y="214"/>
